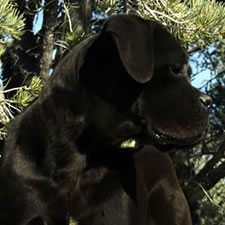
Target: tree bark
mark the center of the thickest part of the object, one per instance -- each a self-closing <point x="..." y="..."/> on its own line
<point x="81" y="15"/>
<point x="49" y="24"/>
<point x="209" y="175"/>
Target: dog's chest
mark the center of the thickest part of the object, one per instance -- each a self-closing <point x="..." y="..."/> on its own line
<point x="100" y="194"/>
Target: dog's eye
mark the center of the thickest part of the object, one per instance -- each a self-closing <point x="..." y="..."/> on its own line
<point x="178" y="70"/>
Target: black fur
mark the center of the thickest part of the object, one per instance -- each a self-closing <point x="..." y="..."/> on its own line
<point x="63" y="155"/>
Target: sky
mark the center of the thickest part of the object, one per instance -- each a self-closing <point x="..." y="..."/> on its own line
<point x="201" y="78"/>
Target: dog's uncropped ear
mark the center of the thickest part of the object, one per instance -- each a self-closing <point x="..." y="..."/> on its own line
<point x="133" y="38"/>
<point x="142" y="44"/>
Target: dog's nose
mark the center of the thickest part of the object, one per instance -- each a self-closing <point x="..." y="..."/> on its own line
<point x="206" y="101"/>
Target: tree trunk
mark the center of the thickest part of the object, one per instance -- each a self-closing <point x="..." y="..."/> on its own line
<point x="49" y="24"/>
<point x="81" y="15"/>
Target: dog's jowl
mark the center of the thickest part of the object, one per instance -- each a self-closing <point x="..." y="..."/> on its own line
<point x="65" y="156"/>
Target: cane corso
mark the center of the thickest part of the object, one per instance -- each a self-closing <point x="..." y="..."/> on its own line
<point x="92" y="146"/>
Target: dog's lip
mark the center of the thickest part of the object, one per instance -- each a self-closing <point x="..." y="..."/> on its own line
<point x="162" y="139"/>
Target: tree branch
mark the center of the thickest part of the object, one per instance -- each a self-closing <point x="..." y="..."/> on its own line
<point x="209" y="167"/>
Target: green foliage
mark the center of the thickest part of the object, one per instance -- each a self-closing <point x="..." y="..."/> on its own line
<point x="195" y="22"/>
<point x="198" y="23"/>
<point x="25" y="95"/>
<point x="213" y="205"/>
<point x="76" y="36"/>
<point x="11" y="24"/>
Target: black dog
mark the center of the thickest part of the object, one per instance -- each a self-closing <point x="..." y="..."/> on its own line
<point x="64" y="155"/>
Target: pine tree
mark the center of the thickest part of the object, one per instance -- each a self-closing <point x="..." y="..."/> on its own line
<point x="11" y="28"/>
<point x="11" y="24"/>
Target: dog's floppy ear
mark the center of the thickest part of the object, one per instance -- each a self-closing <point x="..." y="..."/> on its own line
<point x="141" y="45"/>
<point x="134" y="43"/>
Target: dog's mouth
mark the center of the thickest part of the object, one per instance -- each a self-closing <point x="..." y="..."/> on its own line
<point x="139" y="134"/>
<point x="161" y="140"/>
<point x="166" y="142"/>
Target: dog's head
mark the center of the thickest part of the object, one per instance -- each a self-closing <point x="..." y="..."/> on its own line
<point x="139" y="76"/>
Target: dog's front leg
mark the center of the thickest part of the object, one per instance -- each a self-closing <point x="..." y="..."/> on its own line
<point x="167" y="204"/>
